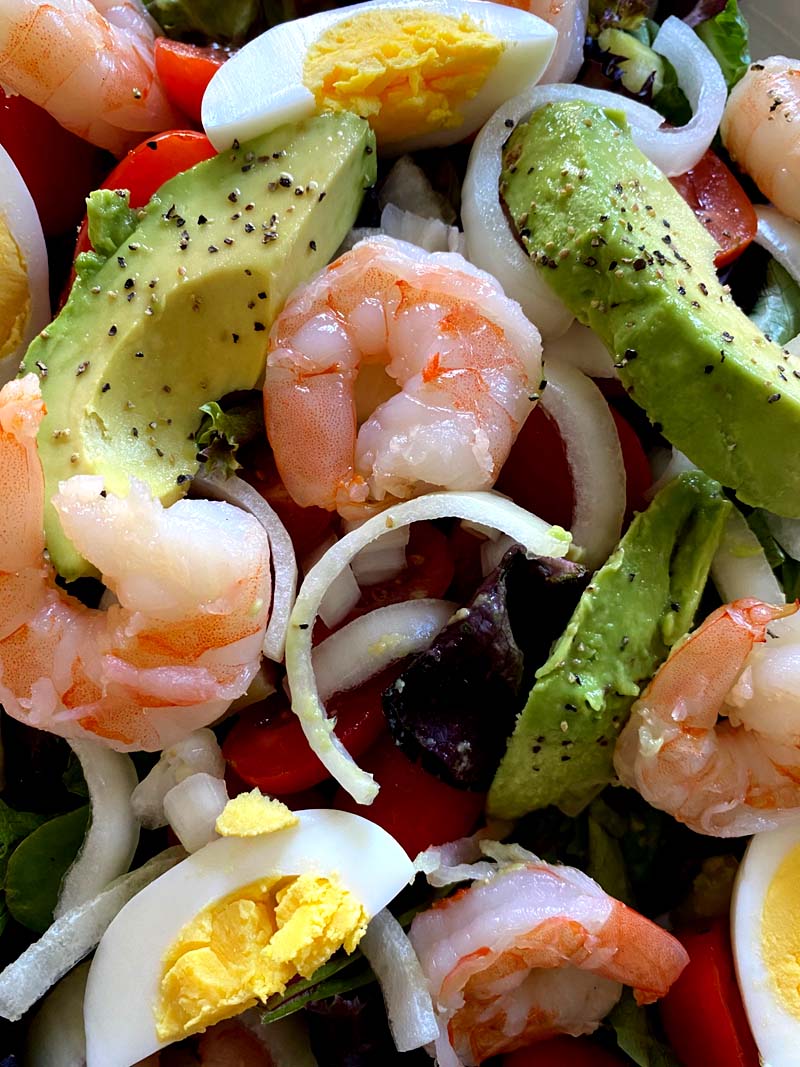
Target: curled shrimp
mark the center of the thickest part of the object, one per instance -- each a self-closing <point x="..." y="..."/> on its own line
<point x="533" y="951"/>
<point x="91" y="65"/>
<point x="452" y="364"/>
<point x="715" y="738"/>
<point x="193" y="584"/>
<point x="761" y="130"/>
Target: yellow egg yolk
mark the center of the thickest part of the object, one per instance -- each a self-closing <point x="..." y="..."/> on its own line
<point x="406" y="71"/>
<point x="780" y="932"/>
<point x="15" y="297"/>
<point x="252" y="814"/>
<point x="249" y="945"/>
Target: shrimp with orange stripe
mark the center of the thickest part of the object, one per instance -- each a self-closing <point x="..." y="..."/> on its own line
<point x="393" y="373"/>
<point x="193" y="588"/>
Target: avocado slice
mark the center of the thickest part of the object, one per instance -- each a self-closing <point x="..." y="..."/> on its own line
<point x="178" y="313"/>
<point x="636" y="607"/>
<point x="621" y="248"/>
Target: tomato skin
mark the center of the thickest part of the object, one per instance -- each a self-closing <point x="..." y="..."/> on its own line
<point x="563" y="1051"/>
<point x="58" y="167"/>
<point x="703" y="1014"/>
<point x="414" y="807"/>
<point x="267" y="747"/>
<point x="638" y="477"/>
<point x="428" y="573"/>
<point x="185" y="70"/>
<point x="721" y="204"/>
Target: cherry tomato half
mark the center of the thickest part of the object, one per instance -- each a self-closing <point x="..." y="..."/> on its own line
<point x="267" y="747"/>
<point x="185" y="70"/>
<point x="414" y="807"/>
<point x="703" y="1014"/>
<point x="428" y="572"/>
<point x="563" y="1051"/>
<point x="721" y="204"/>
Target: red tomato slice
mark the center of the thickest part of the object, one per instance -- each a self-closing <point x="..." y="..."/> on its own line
<point x="428" y="573"/>
<point x="267" y="747"/>
<point x="185" y="70"/>
<point x="563" y="1052"/>
<point x="703" y="1014"/>
<point x="414" y="807"/>
<point x="58" y="167"/>
<point x="638" y="477"/>
<point x="721" y="204"/>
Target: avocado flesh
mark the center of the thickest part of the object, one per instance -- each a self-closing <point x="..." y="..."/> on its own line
<point x="621" y="248"/>
<point x="636" y="607"/>
<point x="179" y="314"/>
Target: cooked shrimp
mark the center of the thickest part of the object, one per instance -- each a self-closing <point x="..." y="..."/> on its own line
<point x="91" y="65"/>
<point x="715" y="738"/>
<point x="761" y="130"/>
<point x="534" y="951"/>
<point x="568" y="18"/>
<point x="385" y="317"/>
<point x="193" y="584"/>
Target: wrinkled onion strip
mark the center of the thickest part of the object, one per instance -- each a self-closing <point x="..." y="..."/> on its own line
<point x="234" y="490"/>
<point x="72" y="937"/>
<point x="780" y="236"/>
<point x="536" y="536"/>
<point x="405" y="990"/>
<point x="113" y="833"/>
<point x="740" y="567"/>
<point x="594" y="456"/>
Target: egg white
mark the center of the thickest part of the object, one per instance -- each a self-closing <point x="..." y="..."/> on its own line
<point x="261" y="87"/>
<point x="19" y="211"/>
<point x="776" y="1031"/>
<point x="123" y="985"/>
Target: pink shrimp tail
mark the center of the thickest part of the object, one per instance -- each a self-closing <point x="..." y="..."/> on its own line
<point x="647" y="957"/>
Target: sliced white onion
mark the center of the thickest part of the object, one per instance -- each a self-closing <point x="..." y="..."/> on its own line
<point x="198" y="753"/>
<point x="286" y="1041"/>
<point x="367" y="645"/>
<point x="431" y="234"/>
<point x="740" y="568"/>
<point x="780" y="236"/>
<point x="192" y="808"/>
<point x="676" y="464"/>
<point x="113" y="833"/>
<point x="264" y="683"/>
<point x="594" y="456"/>
<point x="72" y="937"/>
<point x="234" y="490"/>
<point x="56" y="1037"/>
<point x="569" y="18"/>
<point x="461" y="860"/>
<point x="344" y="592"/>
<point x="409" y="1007"/>
<point x="407" y="187"/>
<point x="786" y="532"/>
<point x="383" y="559"/>
<point x="677" y="149"/>
<point x="492" y="552"/>
<point x="583" y="349"/>
<point x="537" y="536"/>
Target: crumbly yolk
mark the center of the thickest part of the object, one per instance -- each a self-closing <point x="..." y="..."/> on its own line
<point x="15" y="297"/>
<point x="407" y="71"/>
<point x="780" y="932"/>
<point x="252" y="814"/>
<point x="248" y="945"/>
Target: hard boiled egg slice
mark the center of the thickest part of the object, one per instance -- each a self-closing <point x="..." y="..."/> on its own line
<point x="174" y="959"/>
<point x="424" y="74"/>
<point x="24" y="290"/>
<point x="766" y="942"/>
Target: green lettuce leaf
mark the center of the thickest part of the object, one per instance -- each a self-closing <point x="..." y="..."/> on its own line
<point x="224" y="429"/>
<point x="635" y="1035"/>
<point x="727" y="37"/>
<point x="214" y="20"/>
<point x="777" y="308"/>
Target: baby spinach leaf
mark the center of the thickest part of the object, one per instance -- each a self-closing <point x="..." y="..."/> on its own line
<point x="211" y="20"/>
<point x="38" y="865"/>
<point x="727" y="37"/>
<point x="635" y="1035"/>
<point x="14" y="827"/>
<point x="777" y="308"/>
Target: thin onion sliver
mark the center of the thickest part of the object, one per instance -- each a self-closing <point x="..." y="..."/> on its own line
<point x="536" y="536"/>
<point x="740" y="567"/>
<point x="234" y="490"/>
<point x="780" y="236"/>
<point x="113" y="834"/>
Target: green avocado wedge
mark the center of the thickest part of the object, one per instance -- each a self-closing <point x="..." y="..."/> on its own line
<point x="627" y="255"/>
<point x="174" y="307"/>
<point x="638" y="605"/>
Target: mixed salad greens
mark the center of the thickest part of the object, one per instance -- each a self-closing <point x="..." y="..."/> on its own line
<point x="475" y="660"/>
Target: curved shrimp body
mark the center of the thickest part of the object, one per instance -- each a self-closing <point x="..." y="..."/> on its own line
<point x="761" y="130"/>
<point x="193" y="585"/>
<point x="534" y="951"/>
<point x="454" y="363"/>
<point x="715" y="738"/>
<point x="91" y="65"/>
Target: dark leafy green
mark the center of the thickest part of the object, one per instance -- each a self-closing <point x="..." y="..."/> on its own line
<point x="635" y="1034"/>
<point x="777" y="308"/>
<point x="454" y="705"/>
<point x="629" y="61"/>
<point x="219" y="21"/>
<point x="625" y="14"/>
<point x="38" y="865"/>
<point x="728" y="39"/>
<point x="73" y="779"/>
<point x="235" y="421"/>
